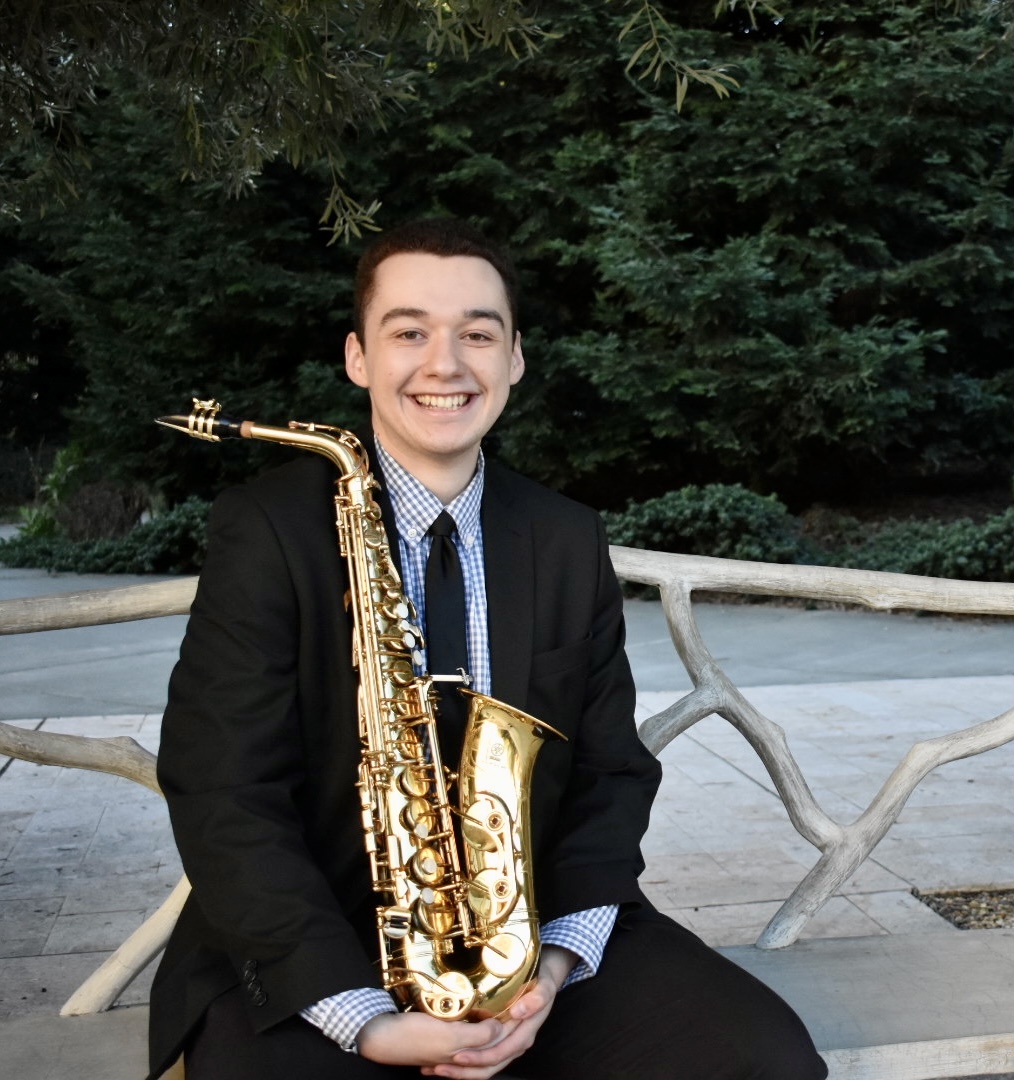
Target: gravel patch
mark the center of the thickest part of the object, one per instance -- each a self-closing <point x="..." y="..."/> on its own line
<point x="972" y="909"/>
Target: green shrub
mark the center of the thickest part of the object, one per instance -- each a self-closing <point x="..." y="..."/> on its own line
<point x="39" y="520"/>
<point x="973" y="551"/>
<point x="73" y="503"/>
<point x="731" y="522"/>
<point x="172" y="543"/>
<point x="727" y="521"/>
<point x="723" y="521"/>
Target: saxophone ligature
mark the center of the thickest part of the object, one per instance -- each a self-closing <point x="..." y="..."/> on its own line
<point x="446" y="874"/>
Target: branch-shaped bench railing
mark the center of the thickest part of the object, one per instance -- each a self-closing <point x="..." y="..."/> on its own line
<point x="843" y="847"/>
<point x="120" y="756"/>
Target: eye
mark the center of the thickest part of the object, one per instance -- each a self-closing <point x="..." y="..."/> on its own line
<point x="478" y="336"/>
<point x="410" y="335"/>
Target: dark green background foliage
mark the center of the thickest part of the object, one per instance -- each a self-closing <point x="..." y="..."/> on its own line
<point x="728" y="521"/>
<point x="175" y="542"/>
<point x="972" y="550"/>
<point x="724" y="521"/>
<point x="165" y="290"/>
<point x="805" y="289"/>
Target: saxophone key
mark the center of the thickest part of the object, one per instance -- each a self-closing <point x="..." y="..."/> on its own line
<point x="426" y="866"/>
<point x="418" y="818"/>
<point x="415" y="786"/>
<point x="369" y="834"/>
<point x="485" y="825"/>
<point x="393" y="846"/>
<point x="504" y="954"/>
<point x="395" y="922"/>
<point x="491" y="894"/>
<point x="409" y="745"/>
<point x="450" y="997"/>
<point x="434" y="913"/>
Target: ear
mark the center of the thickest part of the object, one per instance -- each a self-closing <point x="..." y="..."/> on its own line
<point x="355" y="361"/>
<point x="517" y="361"/>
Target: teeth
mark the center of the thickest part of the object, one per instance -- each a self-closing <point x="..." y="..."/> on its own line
<point x="442" y="401"/>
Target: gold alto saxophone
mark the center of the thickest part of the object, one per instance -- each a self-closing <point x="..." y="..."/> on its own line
<point x="445" y="874"/>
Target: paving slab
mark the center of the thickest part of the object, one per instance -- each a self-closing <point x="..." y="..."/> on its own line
<point x="893" y="989"/>
<point x="770" y="645"/>
<point x="110" y="1046"/>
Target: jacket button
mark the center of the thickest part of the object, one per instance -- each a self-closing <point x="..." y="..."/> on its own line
<point x="259" y="997"/>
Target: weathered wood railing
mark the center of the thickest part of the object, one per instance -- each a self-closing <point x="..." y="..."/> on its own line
<point x="121" y="756"/>
<point x="843" y="847"/>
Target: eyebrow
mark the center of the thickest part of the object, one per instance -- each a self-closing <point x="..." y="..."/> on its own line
<point x="418" y="313"/>
<point x="485" y="313"/>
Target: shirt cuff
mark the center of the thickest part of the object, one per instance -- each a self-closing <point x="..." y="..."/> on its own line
<point x="341" y="1016"/>
<point x="584" y="933"/>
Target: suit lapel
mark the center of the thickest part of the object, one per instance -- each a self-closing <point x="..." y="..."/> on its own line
<point x="509" y="562"/>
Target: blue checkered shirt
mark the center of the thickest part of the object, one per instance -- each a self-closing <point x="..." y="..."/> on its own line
<point x="415" y="509"/>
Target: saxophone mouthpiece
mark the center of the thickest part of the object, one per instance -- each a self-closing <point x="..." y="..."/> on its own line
<point x="206" y="422"/>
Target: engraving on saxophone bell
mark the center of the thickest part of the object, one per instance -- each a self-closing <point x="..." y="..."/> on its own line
<point x="444" y="873"/>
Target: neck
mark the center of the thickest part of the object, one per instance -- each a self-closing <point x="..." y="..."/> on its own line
<point x="446" y="484"/>
<point x="446" y="478"/>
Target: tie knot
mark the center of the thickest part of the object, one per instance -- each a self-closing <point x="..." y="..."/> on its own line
<point x="443" y="526"/>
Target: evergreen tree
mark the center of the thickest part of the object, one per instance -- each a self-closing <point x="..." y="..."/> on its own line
<point x="805" y="286"/>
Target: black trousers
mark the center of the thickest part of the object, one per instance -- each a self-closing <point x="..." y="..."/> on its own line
<point x="663" y="1006"/>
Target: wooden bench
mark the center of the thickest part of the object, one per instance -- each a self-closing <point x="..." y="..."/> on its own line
<point x="827" y="981"/>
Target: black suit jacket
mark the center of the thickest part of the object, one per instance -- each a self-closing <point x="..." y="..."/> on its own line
<point x="260" y="741"/>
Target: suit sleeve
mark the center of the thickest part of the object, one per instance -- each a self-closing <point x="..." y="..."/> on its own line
<point x="611" y="779"/>
<point x="232" y="765"/>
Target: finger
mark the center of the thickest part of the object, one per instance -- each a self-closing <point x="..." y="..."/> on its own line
<point x="540" y="997"/>
<point x="506" y="1028"/>
<point x="530" y="1005"/>
<point x="513" y="1045"/>
<point x="481" y="1034"/>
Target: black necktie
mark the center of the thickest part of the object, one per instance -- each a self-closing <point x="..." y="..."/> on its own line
<point x="445" y="624"/>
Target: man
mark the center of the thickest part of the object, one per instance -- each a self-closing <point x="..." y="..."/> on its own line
<point x="272" y="971"/>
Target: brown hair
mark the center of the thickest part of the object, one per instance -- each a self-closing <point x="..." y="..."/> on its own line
<point x="445" y="237"/>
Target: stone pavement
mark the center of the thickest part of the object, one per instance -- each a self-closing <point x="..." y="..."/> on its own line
<point x="85" y="857"/>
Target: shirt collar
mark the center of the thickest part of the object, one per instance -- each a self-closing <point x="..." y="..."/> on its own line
<point x="416" y="507"/>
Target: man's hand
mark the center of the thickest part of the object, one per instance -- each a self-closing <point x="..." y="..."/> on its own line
<point x="417" y="1039"/>
<point x="518" y="1028"/>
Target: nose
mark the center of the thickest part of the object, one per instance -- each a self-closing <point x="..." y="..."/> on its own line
<point x="443" y="357"/>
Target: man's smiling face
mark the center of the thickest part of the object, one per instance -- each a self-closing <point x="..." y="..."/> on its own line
<point x="438" y="359"/>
